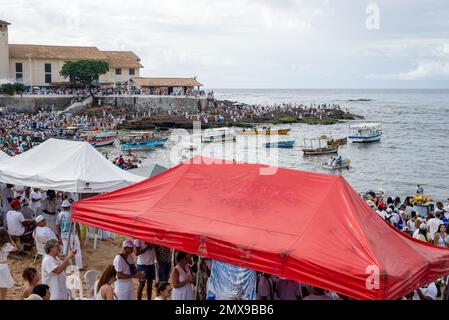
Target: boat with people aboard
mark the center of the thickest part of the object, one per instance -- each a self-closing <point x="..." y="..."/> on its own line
<point x="331" y="141"/>
<point x="336" y="163"/>
<point x="280" y="144"/>
<point x="135" y="136"/>
<point x="365" y="132"/>
<point x="144" y="145"/>
<point x="265" y="130"/>
<point x="99" y="138"/>
<point x="321" y="149"/>
<point x="218" y="135"/>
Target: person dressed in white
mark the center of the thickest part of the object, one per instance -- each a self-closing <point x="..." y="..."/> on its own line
<point x="182" y="278"/>
<point x="434" y="224"/>
<point x="53" y="270"/>
<point x="428" y="292"/>
<point x="36" y="199"/>
<point x="145" y="263"/>
<point x="15" y="219"/>
<point x="63" y="223"/>
<point x="42" y="230"/>
<point x="126" y="272"/>
<point x="6" y="246"/>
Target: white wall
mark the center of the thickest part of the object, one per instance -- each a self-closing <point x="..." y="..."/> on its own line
<point x="4" y="53"/>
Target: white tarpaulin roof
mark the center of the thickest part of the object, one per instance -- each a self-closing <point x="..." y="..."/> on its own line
<point x="4" y="155"/>
<point x="63" y="165"/>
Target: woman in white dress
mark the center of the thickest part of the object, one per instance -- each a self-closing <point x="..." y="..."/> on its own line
<point x="440" y="237"/>
<point x="182" y="279"/>
<point x="103" y="287"/>
<point x="6" y="246"/>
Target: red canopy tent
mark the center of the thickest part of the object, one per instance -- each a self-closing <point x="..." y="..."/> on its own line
<point x="310" y="227"/>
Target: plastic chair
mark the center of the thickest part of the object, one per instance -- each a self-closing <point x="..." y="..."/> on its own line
<point x="91" y="277"/>
<point x="74" y="283"/>
<point x="40" y="246"/>
<point x="95" y="233"/>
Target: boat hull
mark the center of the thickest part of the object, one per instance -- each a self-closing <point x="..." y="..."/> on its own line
<point x="281" y="144"/>
<point x="338" y="142"/>
<point x="223" y="138"/>
<point x="102" y="142"/>
<point x="266" y="132"/>
<point x="365" y="139"/>
<point x="344" y="165"/>
<point x="320" y="151"/>
<point x="144" y="146"/>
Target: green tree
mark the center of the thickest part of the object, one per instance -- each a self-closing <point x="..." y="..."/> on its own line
<point x="12" y="88"/>
<point x="84" y="72"/>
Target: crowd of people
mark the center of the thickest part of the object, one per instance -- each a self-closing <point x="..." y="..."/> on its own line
<point x="32" y="215"/>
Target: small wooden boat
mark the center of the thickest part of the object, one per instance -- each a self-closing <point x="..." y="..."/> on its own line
<point x="314" y="150"/>
<point x="320" y="150"/>
<point x="280" y="144"/>
<point x="366" y="133"/>
<point x="142" y="146"/>
<point x="137" y="136"/>
<point x="218" y="135"/>
<point x="343" y="165"/>
<point x="99" y="138"/>
<point x="339" y="142"/>
<point x="266" y="131"/>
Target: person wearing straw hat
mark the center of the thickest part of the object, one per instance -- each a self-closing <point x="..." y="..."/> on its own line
<point x="63" y="223"/>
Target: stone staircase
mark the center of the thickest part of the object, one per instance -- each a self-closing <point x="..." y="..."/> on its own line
<point x="79" y="105"/>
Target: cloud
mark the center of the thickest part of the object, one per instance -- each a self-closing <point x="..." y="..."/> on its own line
<point x="424" y="70"/>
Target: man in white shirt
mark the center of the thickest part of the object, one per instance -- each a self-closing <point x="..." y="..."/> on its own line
<point x="53" y="270"/>
<point x="35" y="199"/>
<point x="42" y="230"/>
<point x="433" y="224"/>
<point x="15" y="219"/>
<point x="63" y="223"/>
<point x="428" y="292"/>
<point x="126" y="272"/>
<point x="145" y="263"/>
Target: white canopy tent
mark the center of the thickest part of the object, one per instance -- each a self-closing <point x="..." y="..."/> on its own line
<point x="149" y="171"/>
<point x="68" y="166"/>
<point x="4" y="155"/>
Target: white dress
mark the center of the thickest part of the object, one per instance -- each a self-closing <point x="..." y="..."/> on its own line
<point x="185" y="292"/>
<point x="6" y="280"/>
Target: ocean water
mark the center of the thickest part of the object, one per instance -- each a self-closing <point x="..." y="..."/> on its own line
<point x="414" y="146"/>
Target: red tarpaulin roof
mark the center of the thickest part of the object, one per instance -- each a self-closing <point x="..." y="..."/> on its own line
<point x="310" y="227"/>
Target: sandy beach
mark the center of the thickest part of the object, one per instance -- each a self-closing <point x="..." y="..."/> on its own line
<point x="96" y="259"/>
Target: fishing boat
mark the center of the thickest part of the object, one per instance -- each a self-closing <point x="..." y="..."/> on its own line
<point x="280" y="144"/>
<point x="339" y="142"/>
<point x="99" y="138"/>
<point x="321" y="149"/>
<point x="366" y="133"/>
<point x="136" y="136"/>
<point x="343" y="165"/>
<point x="143" y="146"/>
<point x="266" y="131"/>
<point x="218" y="135"/>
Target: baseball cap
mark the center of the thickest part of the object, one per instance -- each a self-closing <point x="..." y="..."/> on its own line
<point x="15" y="202"/>
<point x="128" y="244"/>
<point x="39" y="219"/>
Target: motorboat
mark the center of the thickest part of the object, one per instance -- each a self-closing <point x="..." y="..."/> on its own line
<point x="365" y="132"/>
<point x="344" y="165"/>
<point x="218" y="135"/>
<point x="143" y="146"/>
<point x="99" y="138"/>
<point x="280" y="144"/>
<point x="265" y="131"/>
<point x="312" y="149"/>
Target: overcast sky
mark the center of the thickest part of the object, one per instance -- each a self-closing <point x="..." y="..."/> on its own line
<point x="255" y="43"/>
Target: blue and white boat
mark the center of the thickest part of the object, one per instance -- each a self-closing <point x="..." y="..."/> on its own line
<point x="143" y="145"/>
<point x="365" y="133"/>
<point x="280" y="144"/>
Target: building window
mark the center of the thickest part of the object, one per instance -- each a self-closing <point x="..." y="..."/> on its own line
<point x="48" y="78"/>
<point x="48" y="68"/>
<point x="19" y="67"/>
<point x="118" y="71"/>
<point x="132" y="72"/>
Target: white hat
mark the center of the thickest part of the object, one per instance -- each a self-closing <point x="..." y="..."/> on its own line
<point x="34" y="297"/>
<point x="128" y="244"/>
<point x="19" y="188"/>
<point x="39" y="219"/>
<point x="66" y="203"/>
